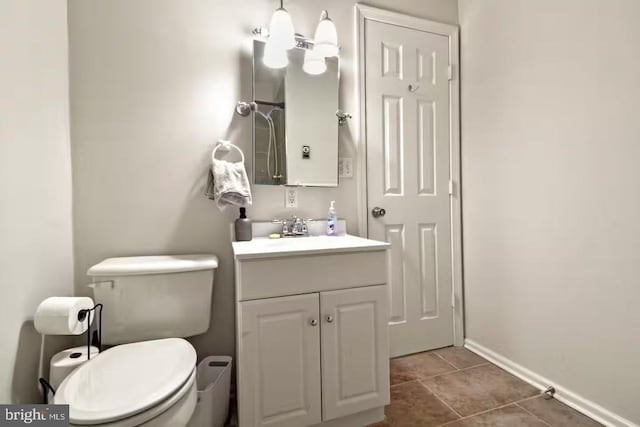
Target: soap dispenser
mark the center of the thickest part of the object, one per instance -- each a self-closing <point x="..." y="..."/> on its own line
<point x="332" y="220"/>
<point x="243" y="227"/>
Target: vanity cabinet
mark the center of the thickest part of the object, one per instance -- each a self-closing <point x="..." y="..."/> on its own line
<point x="312" y="358"/>
<point x="317" y="356"/>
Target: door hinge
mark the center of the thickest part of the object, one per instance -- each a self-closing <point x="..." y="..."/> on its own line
<point x="450" y="72"/>
<point x="450" y="187"/>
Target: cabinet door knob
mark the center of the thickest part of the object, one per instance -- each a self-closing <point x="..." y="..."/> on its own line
<point x="329" y="319"/>
<point x="313" y="322"/>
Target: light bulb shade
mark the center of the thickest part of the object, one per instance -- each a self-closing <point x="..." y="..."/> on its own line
<point x="274" y="56"/>
<point x="314" y="62"/>
<point x="281" y="30"/>
<point x="326" y="37"/>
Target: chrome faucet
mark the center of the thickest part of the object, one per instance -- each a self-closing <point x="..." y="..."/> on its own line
<point x="294" y="227"/>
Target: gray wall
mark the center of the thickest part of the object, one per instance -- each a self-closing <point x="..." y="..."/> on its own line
<point x="550" y="151"/>
<point x="153" y="86"/>
<point x="35" y="183"/>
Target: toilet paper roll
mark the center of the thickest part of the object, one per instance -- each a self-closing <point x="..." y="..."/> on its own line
<point x="63" y="363"/>
<point x="59" y="316"/>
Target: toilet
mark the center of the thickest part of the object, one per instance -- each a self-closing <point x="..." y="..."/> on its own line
<point x="148" y="376"/>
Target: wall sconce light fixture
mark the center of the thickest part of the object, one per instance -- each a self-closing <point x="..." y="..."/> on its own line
<point x="282" y="38"/>
<point x="326" y="36"/>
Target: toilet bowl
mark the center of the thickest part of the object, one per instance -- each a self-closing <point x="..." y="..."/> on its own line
<point x="147" y="383"/>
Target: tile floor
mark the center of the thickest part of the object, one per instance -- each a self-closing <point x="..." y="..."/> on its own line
<point x="457" y="388"/>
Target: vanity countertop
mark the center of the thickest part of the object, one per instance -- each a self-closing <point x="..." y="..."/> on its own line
<point x="264" y="247"/>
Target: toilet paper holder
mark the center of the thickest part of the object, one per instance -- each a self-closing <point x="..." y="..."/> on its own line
<point x="97" y="334"/>
<point x="84" y="314"/>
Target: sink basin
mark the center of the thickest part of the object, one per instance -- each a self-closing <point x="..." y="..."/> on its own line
<point x="263" y="247"/>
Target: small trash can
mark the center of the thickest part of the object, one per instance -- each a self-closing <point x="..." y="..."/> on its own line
<point x="213" y="378"/>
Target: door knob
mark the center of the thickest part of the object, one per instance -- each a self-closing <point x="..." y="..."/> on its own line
<point x="378" y="212"/>
<point x="313" y="322"/>
<point x="330" y="319"/>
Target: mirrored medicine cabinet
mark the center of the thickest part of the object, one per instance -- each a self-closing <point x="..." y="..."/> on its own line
<point x="295" y="128"/>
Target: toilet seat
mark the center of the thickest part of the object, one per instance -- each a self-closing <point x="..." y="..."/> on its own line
<point x="129" y="384"/>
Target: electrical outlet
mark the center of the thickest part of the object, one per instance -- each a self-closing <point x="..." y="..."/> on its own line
<point x="345" y="167"/>
<point x="290" y="197"/>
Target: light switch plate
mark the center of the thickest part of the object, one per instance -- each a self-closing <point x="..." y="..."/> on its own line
<point x="290" y="197"/>
<point x="345" y="167"/>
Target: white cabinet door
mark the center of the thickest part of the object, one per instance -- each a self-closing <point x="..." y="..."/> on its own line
<point x="279" y="365"/>
<point x="355" y="355"/>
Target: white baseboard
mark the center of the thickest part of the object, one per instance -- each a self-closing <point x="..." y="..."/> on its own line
<point x="568" y="397"/>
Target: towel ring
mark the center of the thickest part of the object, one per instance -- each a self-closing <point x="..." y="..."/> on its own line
<point x="227" y="144"/>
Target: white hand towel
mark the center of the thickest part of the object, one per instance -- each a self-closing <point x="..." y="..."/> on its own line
<point x="230" y="184"/>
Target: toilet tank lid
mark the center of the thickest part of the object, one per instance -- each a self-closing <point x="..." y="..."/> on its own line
<point x="160" y="264"/>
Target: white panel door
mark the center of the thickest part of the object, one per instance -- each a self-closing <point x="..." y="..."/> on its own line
<point x="279" y="373"/>
<point x="408" y="173"/>
<point x="355" y="356"/>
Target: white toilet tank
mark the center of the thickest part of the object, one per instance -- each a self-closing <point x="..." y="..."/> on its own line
<point x="151" y="297"/>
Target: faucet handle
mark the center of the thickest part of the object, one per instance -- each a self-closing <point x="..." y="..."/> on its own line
<point x="282" y="222"/>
